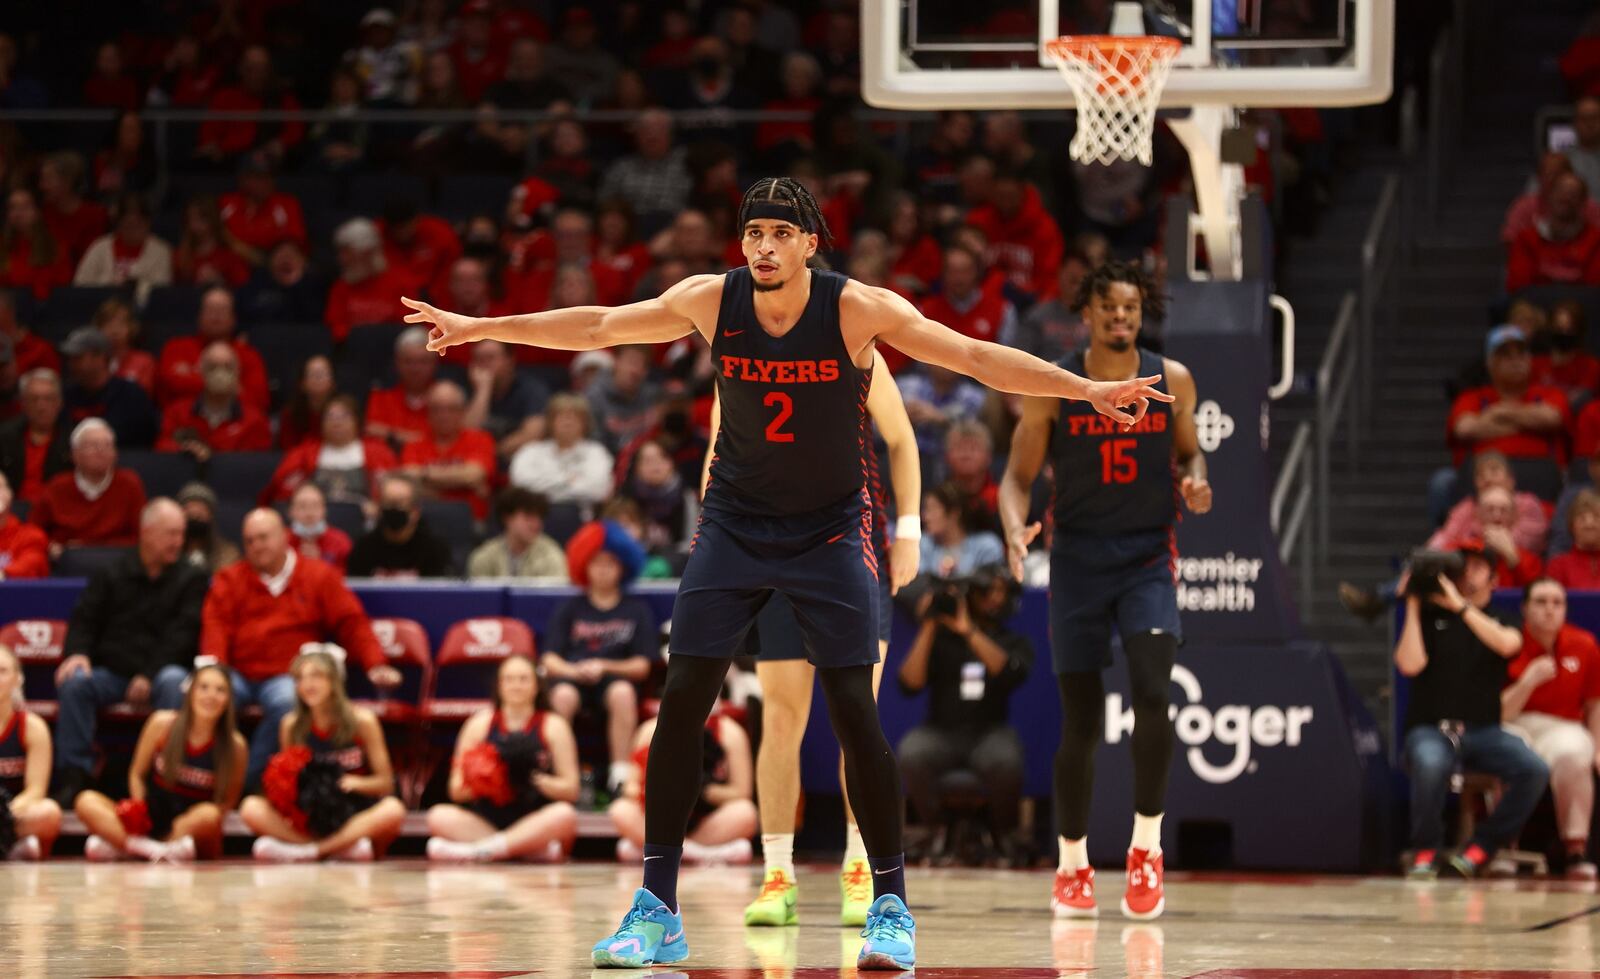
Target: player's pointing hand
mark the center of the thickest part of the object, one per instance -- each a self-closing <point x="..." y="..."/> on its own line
<point x="1111" y="397"/>
<point x="448" y="329"/>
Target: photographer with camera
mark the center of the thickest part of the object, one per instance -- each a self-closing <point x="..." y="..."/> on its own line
<point x="969" y="662"/>
<point x="1456" y="650"/>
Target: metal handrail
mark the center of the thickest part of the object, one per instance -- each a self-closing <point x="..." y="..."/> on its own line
<point x="1334" y="377"/>
<point x="1298" y="446"/>
<point x="1379" y="249"/>
<point x="1295" y="480"/>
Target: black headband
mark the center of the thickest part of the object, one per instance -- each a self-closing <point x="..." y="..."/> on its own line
<point x="777" y="210"/>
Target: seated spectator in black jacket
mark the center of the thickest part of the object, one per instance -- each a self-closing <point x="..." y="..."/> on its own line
<point x="401" y="545"/>
<point x="34" y="445"/>
<point x="969" y="663"/>
<point x="1456" y="651"/>
<point x="505" y="404"/>
<point x="136" y="615"/>
<point x="93" y="391"/>
<point x="284" y="290"/>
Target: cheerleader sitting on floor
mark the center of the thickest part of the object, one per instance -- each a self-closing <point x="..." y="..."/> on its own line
<point x="29" y="820"/>
<point x="723" y="819"/>
<point x="513" y="779"/>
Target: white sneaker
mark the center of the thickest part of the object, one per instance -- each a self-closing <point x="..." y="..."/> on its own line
<point x="737" y="854"/>
<point x="26" y="849"/>
<point x="553" y="853"/>
<point x="629" y="851"/>
<point x="180" y="850"/>
<point x="358" y="852"/>
<point x="442" y="850"/>
<point x="1576" y="870"/>
<point x="97" y="850"/>
<point x="270" y="850"/>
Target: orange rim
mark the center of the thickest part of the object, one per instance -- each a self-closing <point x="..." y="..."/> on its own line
<point x="1128" y="55"/>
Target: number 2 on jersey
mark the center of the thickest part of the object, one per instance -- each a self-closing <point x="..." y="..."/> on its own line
<point x="1116" y="464"/>
<point x="785" y="409"/>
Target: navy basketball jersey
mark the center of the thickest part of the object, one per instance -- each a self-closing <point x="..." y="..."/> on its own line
<point x="1111" y="482"/>
<point x="880" y="507"/>
<point x="351" y="758"/>
<point x="498" y="733"/>
<point x="14" y="753"/>
<point x="196" y="777"/>
<point x="794" y="436"/>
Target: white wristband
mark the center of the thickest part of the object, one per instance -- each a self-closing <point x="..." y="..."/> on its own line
<point x="908" y="527"/>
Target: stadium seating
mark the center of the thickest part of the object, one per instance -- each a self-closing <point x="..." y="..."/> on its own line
<point x="163" y="473"/>
<point x="38" y="644"/>
<point x="241" y="475"/>
<point x="81" y="562"/>
<point x="464" y="668"/>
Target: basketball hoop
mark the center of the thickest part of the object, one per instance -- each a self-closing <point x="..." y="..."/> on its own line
<point x="1117" y="81"/>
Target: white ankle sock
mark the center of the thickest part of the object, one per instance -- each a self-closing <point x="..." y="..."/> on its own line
<point x="618" y="774"/>
<point x="855" y="848"/>
<point x="778" y="849"/>
<point x="1074" y="854"/>
<point x="735" y="851"/>
<point x="494" y="847"/>
<point x="144" y="847"/>
<point x="26" y="848"/>
<point x="1147" y="833"/>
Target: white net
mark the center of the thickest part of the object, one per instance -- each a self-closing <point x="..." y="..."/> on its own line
<point x="1117" y="82"/>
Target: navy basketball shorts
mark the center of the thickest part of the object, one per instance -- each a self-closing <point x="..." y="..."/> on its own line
<point x="1098" y="586"/>
<point x="778" y="637"/>
<point x="821" y="562"/>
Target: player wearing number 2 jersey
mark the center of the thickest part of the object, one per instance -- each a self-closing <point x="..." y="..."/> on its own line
<point x="1111" y="567"/>
<point x="785" y="513"/>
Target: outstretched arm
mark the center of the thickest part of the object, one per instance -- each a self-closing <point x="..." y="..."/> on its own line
<point x="905" y="467"/>
<point x="685" y="307"/>
<point x="888" y="317"/>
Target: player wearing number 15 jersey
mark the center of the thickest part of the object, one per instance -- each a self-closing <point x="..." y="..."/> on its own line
<point x="1112" y="566"/>
<point x="785" y="513"/>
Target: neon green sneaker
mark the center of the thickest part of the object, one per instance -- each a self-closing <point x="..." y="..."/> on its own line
<point x="855" y="885"/>
<point x="776" y="905"/>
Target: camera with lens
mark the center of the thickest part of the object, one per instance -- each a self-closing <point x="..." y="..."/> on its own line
<point x="1427" y="566"/>
<point x="948" y="594"/>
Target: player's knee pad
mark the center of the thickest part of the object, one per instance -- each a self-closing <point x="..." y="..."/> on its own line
<point x="1150" y="659"/>
<point x="1083" y="706"/>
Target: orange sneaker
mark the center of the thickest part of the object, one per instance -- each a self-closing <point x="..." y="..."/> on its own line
<point x="1145" y="897"/>
<point x="1073" y="896"/>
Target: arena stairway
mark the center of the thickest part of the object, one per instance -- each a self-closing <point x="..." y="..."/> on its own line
<point x="1451" y="276"/>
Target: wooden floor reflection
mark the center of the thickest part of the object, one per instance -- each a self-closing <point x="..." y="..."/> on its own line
<point x="405" y="919"/>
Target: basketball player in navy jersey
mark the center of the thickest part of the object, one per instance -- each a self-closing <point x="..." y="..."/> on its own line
<point x="1112" y="565"/>
<point x="786" y="512"/>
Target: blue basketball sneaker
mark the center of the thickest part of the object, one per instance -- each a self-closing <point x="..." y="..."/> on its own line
<point x="649" y="935"/>
<point x="891" y="935"/>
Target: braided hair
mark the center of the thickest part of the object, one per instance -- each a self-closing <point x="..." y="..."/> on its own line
<point x="789" y="193"/>
<point x="1099" y="281"/>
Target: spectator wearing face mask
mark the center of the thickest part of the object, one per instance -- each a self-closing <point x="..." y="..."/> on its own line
<point x="218" y="420"/>
<point x="309" y="532"/>
<point x="1568" y="367"/>
<point x="402" y="545"/>
<point x="204" y="546"/>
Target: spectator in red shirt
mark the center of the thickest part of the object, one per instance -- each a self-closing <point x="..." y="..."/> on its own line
<point x="344" y="465"/>
<point x="916" y="259"/>
<point x="965" y="303"/>
<point x="1568" y="367"/>
<point x="301" y="420"/>
<point x="1553" y="703"/>
<point x="1492" y="469"/>
<point x="368" y="290"/>
<point x="224" y="140"/>
<point x="109" y="87"/>
<point x="1561" y="247"/>
<point x="452" y="462"/>
<point x="617" y="246"/>
<point x="1497" y="510"/>
<point x="261" y="610"/>
<point x="24" y="550"/>
<point x="207" y="253"/>
<point x="126" y="165"/>
<point x="400" y="414"/>
<point x="33" y="446"/>
<point x="1530" y="208"/>
<point x="479" y="58"/>
<point x="179" y="371"/>
<point x="309" y="532"/>
<point x="969" y="467"/>
<point x="96" y="503"/>
<point x="217" y="420"/>
<point x="1580" y="567"/>
<point x="469" y="288"/>
<point x="130" y="254"/>
<point x="34" y="258"/>
<point x="116" y="320"/>
<point x="1510" y="414"/>
<point x="185" y="81"/>
<point x="258" y="215"/>
<point x="1024" y="241"/>
<point x="420" y="246"/>
<point x="29" y="350"/>
<point x="74" y="221"/>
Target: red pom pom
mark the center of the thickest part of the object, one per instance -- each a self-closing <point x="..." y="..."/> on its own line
<point x="484" y="772"/>
<point x="281" y="783"/>
<point x="134" y="815"/>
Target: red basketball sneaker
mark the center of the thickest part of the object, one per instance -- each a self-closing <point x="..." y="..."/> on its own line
<point x="1146" y="897"/>
<point x="1073" y="896"/>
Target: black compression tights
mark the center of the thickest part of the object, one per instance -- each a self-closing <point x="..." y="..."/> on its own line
<point x="1083" y="705"/>
<point x="672" y="783"/>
